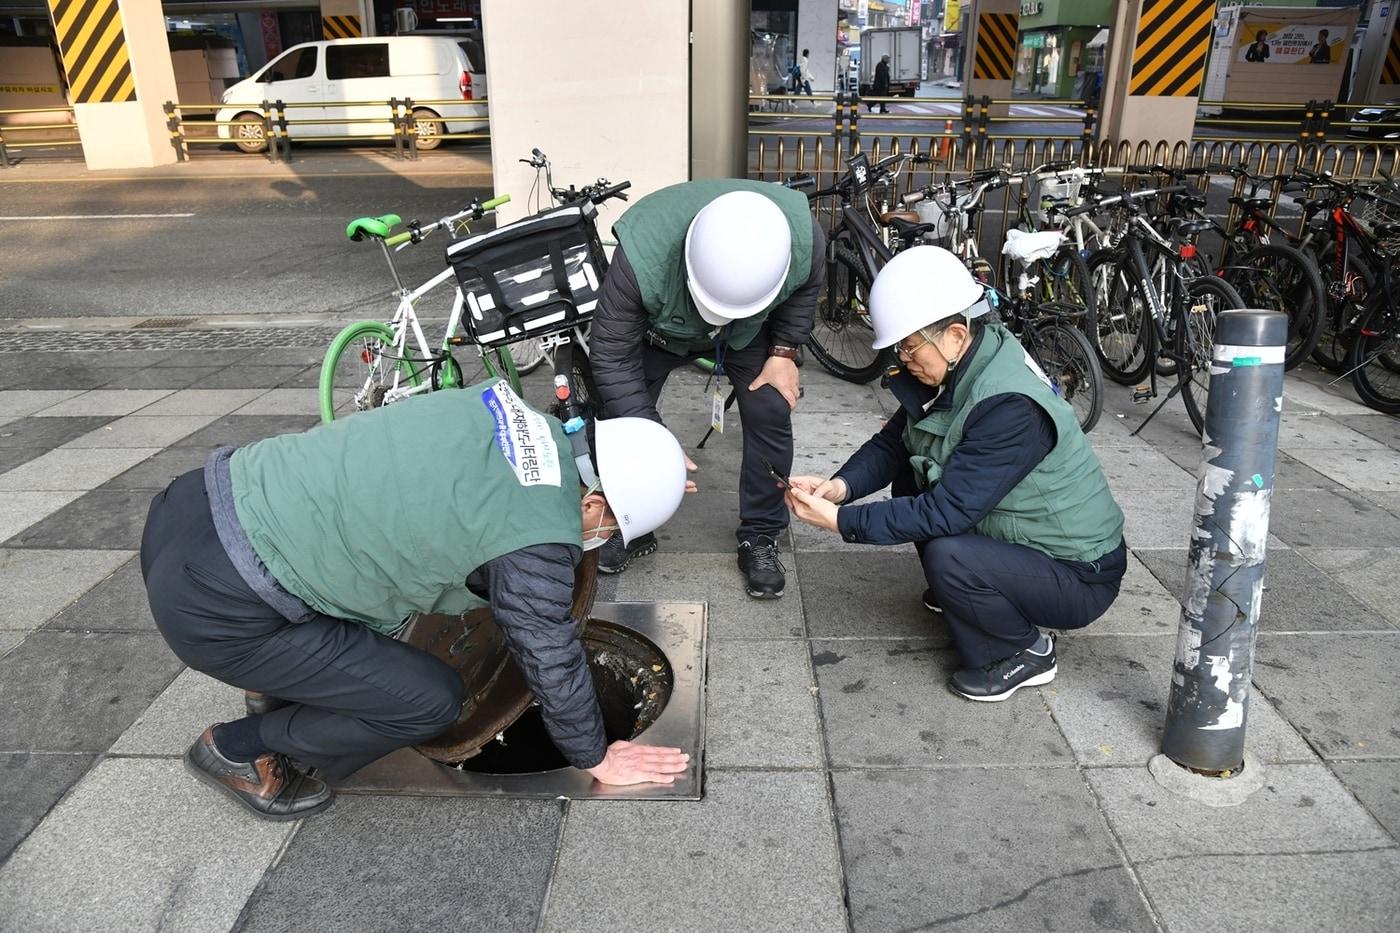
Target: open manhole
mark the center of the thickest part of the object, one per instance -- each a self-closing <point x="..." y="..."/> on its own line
<point x="633" y="680"/>
<point x="647" y="662"/>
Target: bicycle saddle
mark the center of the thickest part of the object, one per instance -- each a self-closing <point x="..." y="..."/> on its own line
<point x="380" y="227"/>
<point x="889" y="217"/>
<point x="1186" y="226"/>
<point x="908" y="229"/>
<point x="1027" y="247"/>
<point x="1387" y="230"/>
<point x="1191" y="200"/>
<point x="1257" y="204"/>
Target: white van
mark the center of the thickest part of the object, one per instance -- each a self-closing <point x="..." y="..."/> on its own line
<point x="336" y="78"/>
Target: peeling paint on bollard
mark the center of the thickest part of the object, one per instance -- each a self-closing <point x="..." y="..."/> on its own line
<point x="1208" y="707"/>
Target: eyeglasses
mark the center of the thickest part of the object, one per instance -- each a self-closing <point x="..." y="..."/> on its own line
<point x="908" y="353"/>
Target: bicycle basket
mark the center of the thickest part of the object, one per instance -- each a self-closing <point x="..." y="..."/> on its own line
<point x="532" y="277"/>
<point x="1058" y="187"/>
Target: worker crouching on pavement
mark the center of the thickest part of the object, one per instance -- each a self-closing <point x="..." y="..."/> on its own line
<point x="992" y="481"/>
<point x="285" y="566"/>
<point x="732" y="270"/>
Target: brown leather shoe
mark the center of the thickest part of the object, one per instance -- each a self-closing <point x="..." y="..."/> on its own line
<point x="269" y="785"/>
<point x="259" y="703"/>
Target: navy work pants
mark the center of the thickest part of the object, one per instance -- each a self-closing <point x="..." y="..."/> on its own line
<point x="355" y="694"/>
<point x="994" y="595"/>
<point x="767" y="423"/>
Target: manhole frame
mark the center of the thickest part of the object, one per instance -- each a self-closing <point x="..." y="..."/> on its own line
<point x="679" y="630"/>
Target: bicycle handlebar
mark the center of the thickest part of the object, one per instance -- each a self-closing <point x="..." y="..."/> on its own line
<point x="1125" y="199"/>
<point x="496" y="202"/>
<point x="477" y="210"/>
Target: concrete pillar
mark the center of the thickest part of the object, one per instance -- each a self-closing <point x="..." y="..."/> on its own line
<point x="119" y="77"/>
<point x="992" y="40"/>
<point x="623" y="114"/>
<point x="1157" y="61"/>
<point x="342" y="19"/>
<point x="816" y="30"/>
<point x="719" y="81"/>
<point x="1378" y="72"/>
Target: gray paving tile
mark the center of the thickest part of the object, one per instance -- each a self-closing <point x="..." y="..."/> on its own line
<point x="840" y="429"/>
<point x="914" y="863"/>
<point x="705" y="522"/>
<point x="758" y="853"/>
<point x="1377" y="785"/>
<point x="34" y="431"/>
<point x="1144" y="468"/>
<point x="284" y="402"/>
<point x="36" y="584"/>
<point x="239" y="430"/>
<point x="1376" y="426"/>
<point x="79" y="469"/>
<point x="824" y="392"/>
<point x="1300" y="808"/>
<point x="138" y="845"/>
<point x="21" y="402"/>
<point x="493" y="855"/>
<point x="210" y="359"/>
<point x="192" y="702"/>
<point x="1298" y="395"/>
<point x="202" y="401"/>
<point x="20" y="510"/>
<point x="714" y="579"/>
<point x="285" y="356"/>
<point x="1297" y="596"/>
<point x="11" y="457"/>
<point x="115" y="359"/>
<point x="1309" y="430"/>
<point x="1352" y="891"/>
<point x="1143" y="607"/>
<point x="1110" y="700"/>
<point x="112" y="402"/>
<point x="1341" y="691"/>
<point x="887" y="704"/>
<point x="1288" y="473"/>
<point x="1115" y="430"/>
<point x="45" y="377"/>
<point x="239" y="376"/>
<point x="76" y="692"/>
<point x="1154" y="520"/>
<point x="141" y="431"/>
<point x="117" y="604"/>
<point x="1370" y="574"/>
<point x="33" y="784"/>
<point x="867" y="594"/>
<point x="809" y="540"/>
<point x="820" y="461"/>
<point x="1389" y="501"/>
<point x="9" y="641"/>
<point x="156" y="472"/>
<point x="159" y="377"/>
<point x="1354" y="469"/>
<point x="1331" y="518"/>
<point x="760" y="710"/>
<point x="99" y="519"/>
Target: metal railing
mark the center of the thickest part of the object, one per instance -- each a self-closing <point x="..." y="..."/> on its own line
<point x="281" y="126"/>
<point x="10" y="138"/>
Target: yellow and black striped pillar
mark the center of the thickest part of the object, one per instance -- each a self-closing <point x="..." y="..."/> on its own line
<point x="1390" y="68"/>
<point x="340" y="27"/>
<point x="116" y="61"/>
<point x="95" y="55"/>
<point x="993" y="39"/>
<point x="1156" y="67"/>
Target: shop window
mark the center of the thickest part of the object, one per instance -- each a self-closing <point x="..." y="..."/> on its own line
<point x="361" y="60"/>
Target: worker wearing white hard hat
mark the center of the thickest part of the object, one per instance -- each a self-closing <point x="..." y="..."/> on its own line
<point x="991" y="479"/>
<point x="729" y="270"/>
<point x="272" y="570"/>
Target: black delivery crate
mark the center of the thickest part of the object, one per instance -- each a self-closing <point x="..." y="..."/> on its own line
<point x="533" y="277"/>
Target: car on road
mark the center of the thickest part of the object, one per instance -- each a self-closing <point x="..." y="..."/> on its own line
<point x="1386" y="113"/>
<point x="337" y="85"/>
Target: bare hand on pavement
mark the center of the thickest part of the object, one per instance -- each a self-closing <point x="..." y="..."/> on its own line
<point x="690" y="467"/>
<point x="832" y="490"/>
<point x="634" y="763"/>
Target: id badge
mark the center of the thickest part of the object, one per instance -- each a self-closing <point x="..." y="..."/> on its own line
<point x="717" y="410"/>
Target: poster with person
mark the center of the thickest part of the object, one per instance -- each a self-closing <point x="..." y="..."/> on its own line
<point x="1290" y="43"/>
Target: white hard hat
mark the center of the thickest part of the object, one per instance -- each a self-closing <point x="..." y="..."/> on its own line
<point x="641" y="468"/>
<point x="737" y="253"/>
<point x="918" y="287"/>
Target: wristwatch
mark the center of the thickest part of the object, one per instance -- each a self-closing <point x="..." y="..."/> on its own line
<point x="787" y="353"/>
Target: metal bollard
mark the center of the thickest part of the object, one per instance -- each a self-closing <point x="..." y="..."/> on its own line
<point x="1209" y="700"/>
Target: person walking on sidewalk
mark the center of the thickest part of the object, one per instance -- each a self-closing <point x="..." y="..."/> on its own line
<point x="802" y="75"/>
<point x="285" y="567"/>
<point x="881" y="85"/>
<point x="729" y="269"/>
<point x="992" y="481"/>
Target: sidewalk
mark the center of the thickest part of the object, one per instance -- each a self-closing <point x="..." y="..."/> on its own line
<point x="845" y="787"/>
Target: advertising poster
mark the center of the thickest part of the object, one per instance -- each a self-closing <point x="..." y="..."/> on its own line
<point x="1290" y="43"/>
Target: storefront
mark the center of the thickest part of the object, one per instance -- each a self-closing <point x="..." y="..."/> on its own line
<point x="1061" y="49"/>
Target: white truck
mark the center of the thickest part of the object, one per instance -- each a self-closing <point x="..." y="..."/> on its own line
<point x="905" y="47"/>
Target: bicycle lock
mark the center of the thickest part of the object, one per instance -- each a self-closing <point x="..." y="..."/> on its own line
<point x="1204" y="739"/>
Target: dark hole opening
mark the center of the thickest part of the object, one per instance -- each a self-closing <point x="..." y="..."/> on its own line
<point x="633" y="680"/>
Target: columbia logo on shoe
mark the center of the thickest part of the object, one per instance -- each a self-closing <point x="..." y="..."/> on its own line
<point x="1013" y="672"/>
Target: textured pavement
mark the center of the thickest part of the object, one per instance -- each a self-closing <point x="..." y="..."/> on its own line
<point x="845" y="787"/>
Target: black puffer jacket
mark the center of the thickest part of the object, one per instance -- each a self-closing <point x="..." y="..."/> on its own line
<point x="620" y="326"/>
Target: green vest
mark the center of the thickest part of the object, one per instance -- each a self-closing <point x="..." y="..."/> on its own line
<point x="652" y="233"/>
<point x="1063" y="507"/>
<point x="387" y="512"/>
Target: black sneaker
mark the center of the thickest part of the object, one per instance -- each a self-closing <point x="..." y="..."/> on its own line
<point x="269" y="785"/>
<point x="614" y="556"/>
<point x="999" y="680"/>
<point x="930" y="603"/>
<point x="758" y="559"/>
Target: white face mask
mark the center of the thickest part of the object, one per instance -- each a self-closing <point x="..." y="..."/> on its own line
<point x="599" y="539"/>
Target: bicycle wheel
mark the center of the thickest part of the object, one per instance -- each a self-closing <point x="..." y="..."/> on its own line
<point x="527" y="354"/>
<point x="495" y="363"/>
<point x="359" y="370"/>
<point x="582" y="386"/>
<point x="1067" y="359"/>
<point x="1374" y="356"/>
<point x="1194" y="339"/>
<point x="1280" y="278"/>
<point x="1124" y="334"/>
<point x="1346" y="302"/>
<point x="841" y="333"/>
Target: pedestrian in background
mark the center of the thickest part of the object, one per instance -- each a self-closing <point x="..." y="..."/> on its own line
<point x="802" y="77"/>
<point x="881" y="87"/>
